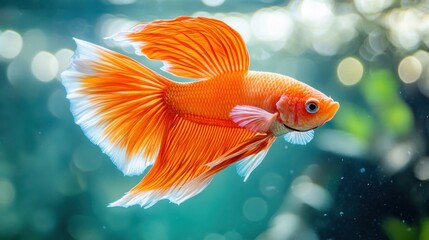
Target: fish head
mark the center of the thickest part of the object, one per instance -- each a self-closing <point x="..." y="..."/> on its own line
<point x="303" y="108"/>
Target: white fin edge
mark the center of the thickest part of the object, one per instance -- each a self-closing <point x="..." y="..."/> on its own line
<point x="246" y="166"/>
<point x="122" y="37"/>
<point x="176" y="194"/>
<point x="300" y="138"/>
<point x="85" y="113"/>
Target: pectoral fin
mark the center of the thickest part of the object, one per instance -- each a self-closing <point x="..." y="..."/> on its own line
<point x="300" y="138"/>
<point x="252" y="118"/>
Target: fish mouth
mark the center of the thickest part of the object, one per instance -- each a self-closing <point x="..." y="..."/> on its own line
<point x="332" y="110"/>
<point x="297" y="130"/>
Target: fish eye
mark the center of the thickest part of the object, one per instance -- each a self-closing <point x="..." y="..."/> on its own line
<point x="312" y="106"/>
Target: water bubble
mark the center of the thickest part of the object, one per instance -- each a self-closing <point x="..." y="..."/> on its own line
<point x="362" y="170"/>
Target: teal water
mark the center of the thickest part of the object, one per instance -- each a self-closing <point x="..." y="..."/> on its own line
<point x="364" y="176"/>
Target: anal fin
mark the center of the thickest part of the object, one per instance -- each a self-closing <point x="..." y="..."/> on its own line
<point x="183" y="160"/>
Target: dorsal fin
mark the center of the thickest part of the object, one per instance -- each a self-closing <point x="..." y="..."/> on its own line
<point x="192" y="47"/>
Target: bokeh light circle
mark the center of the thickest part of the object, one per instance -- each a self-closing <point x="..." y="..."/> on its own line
<point x="271" y="24"/>
<point x="421" y="169"/>
<point x="372" y="6"/>
<point x="10" y="44"/>
<point x="350" y="71"/>
<point x="255" y="209"/>
<point x="213" y="3"/>
<point x="64" y="58"/>
<point x="7" y="195"/>
<point x="44" y="66"/>
<point x="410" y="69"/>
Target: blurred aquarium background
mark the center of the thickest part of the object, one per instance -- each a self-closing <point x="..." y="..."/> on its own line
<point x="364" y="176"/>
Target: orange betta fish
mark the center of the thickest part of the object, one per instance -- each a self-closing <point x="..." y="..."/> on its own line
<point x="187" y="131"/>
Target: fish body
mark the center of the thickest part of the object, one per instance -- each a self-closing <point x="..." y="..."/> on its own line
<point x="187" y="131"/>
<point x="213" y="99"/>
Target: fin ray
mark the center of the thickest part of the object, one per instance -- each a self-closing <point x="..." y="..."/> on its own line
<point x="184" y="157"/>
<point x="115" y="101"/>
<point x="300" y="138"/>
<point x="252" y="118"/>
<point x="251" y="151"/>
<point x="193" y="47"/>
<point x="246" y="166"/>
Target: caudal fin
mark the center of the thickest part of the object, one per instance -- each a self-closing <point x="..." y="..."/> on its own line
<point x="119" y="105"/>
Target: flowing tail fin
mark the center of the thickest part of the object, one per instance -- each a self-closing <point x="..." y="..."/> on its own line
<point x="126" y="109"/>
<point x="119" y="104"/>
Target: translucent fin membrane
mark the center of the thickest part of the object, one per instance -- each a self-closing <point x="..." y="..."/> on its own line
<point x="118" y="104"/>
<point x="300" y="138"/>
<point x="199" y="48"/>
